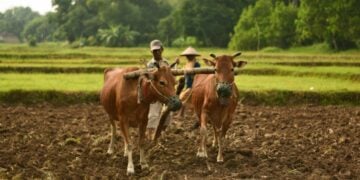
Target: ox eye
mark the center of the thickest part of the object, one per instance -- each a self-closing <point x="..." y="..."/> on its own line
<point x="232" y="69"/>
<point x="162" y="83"/>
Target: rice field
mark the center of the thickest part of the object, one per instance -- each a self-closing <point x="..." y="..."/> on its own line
<point x="54" y="67"/>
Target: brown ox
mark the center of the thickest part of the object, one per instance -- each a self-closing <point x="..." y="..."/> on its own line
<point x="121" y="100"/>
<point x="214" y="98"/>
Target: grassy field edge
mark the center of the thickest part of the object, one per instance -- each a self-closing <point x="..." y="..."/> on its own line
<point x="273" y="97"/>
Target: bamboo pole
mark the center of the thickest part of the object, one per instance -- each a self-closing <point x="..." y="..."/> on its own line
<point x="137" y="73"/>
<point x="176" y="72"/>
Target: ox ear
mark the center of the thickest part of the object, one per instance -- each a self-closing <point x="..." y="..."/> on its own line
<point x="236" y="54"/>
<point x="209" y="62"/>
<point x="240" y="64"/>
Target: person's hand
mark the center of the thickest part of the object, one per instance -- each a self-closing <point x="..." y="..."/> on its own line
<point x="177" y="60"/>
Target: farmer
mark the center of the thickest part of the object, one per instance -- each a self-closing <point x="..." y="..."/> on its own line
<point x="191" y="63"/>
<point x="156" y="108"/>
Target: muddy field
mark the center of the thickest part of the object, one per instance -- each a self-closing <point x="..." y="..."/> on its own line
<point x="45" y="141"/>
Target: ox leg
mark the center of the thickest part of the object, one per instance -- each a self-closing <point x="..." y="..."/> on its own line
<point x="220" y="138"/>
<point x="142" y="131"/>
<point x="112" y="139"/>
<point x="181" y="112"/>
<point x="203" y="134"/>
<point x="215" y="140"/>
<point x="124" y="127"/>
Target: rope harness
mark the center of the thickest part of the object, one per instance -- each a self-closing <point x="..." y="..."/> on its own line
<point x="224" y="91"/>
<point x="173" y="102"/>
<point x="140" y="96"/>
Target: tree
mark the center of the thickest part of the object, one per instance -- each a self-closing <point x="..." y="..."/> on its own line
<point x="251" y="31"/>
<point x="169" y="28"/>
<point x="336" y="22"/>
<point x="39" y="29"/>
<point x="268" y="23"/>
<point x="282" y="27"/>
<point x="154" y="11"/>
<point x="15" y="19"/>
<point x="211" y="21"/>
<point x="117" y="36"/>
<point x="82" y="18"/>
<point x="76" y="18"/>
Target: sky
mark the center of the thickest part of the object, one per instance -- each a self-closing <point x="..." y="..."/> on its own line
<point x="41" y="6"/>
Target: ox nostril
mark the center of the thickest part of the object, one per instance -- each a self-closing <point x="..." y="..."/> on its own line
<point x="174" y="103"/>
<point x="224" y="90"/>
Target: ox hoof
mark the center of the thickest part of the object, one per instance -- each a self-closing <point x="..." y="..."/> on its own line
<point x="201" y="154"/>
<point x="110" y="151"/>
<point x="220" y="160"/>
<point x="213" y="145"/>
<point x="144" y="166"/>
<point x="130" y="171"/>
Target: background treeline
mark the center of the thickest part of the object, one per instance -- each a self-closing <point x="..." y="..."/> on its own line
<point x="237" y="24"/>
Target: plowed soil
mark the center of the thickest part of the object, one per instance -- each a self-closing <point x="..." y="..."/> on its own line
<point x="294" y="142"/>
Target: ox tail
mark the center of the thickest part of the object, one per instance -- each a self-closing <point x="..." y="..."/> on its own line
<point x="106" y="71"/>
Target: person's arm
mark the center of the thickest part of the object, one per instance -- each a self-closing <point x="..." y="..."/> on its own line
<point x="177" y="60"/>
<point x="197" y="65"/>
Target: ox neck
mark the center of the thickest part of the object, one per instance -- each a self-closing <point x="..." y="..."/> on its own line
<point x="146" y="92"/>
<point x="143" y="89"/>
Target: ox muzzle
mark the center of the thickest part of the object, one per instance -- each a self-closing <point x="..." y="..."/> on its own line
<point x="174" y="103"/>
<point x="224" y="91"/>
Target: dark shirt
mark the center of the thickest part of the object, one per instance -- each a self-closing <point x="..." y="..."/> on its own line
<point x="190" y="78"/>
<point x="151" y="63"/>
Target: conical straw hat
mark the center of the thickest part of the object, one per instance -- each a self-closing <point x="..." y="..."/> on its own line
<point x="190" y="52"/>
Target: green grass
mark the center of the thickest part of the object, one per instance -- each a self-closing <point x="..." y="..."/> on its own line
<point x="93" y="82"/>
<point x="265" y="83"/>
<point x="318" y="69"/>
<point x="59" y="82"/>
<point x="58" y="50"/>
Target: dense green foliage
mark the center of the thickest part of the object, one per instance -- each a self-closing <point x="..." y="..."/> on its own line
<point x="336" y="22"/>
<point x="14" y="20"/>
<point x="271" y="23"/>
<point x="237" y="24"/>
<point x="210" y="21"/>
<point x="39" y="29"/>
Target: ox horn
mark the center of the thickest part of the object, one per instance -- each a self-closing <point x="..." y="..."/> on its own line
<point x="177" y="72"/>
<point x="236" y="54"/>
<point x="213" y="55"/>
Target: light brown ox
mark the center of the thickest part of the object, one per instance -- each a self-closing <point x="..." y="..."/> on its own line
<point x="120" y="100"/>
<point x="214" y="98"/>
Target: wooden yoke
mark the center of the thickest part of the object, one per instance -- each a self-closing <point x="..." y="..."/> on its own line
<point x="175" y="72"/>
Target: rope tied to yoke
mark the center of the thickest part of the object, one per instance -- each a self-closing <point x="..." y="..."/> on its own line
<point x="140" y="95"/>
<point x="173" y="102"/>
